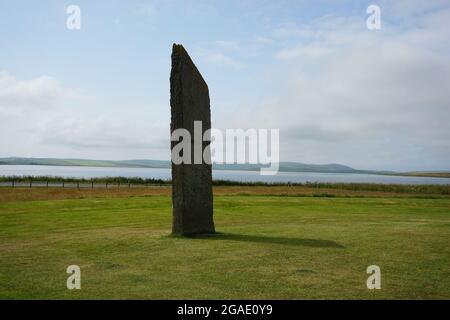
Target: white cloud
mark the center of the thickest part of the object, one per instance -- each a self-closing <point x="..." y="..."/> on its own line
<point x="40" y="92"/>
<point x="147" y="9"/>
<point x="229" y="45"/>
<point x="404" y="9"/>
<point x="292" y="30"/>
<point x="308" y="51"/>
<point x="48" y="120"/>
<point x="101" y="132"/>
<point x="221" y="59"/>
<point x="263" y="40"/>
<point x="369" y="99"/>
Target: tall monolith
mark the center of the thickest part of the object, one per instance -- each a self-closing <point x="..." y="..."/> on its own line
<point x="192" y="197"/>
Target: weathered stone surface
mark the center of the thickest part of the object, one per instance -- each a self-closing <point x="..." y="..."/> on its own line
<point x="192" y="197"/>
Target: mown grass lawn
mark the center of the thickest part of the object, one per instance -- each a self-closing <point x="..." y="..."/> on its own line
<point x="271" y="247"/>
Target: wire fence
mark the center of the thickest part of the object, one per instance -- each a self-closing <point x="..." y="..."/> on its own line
<point x="77" y="185"/>
<point x="125" y="182"/>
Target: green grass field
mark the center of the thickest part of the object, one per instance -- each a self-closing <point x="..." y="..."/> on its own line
<point x="272" y="247"/>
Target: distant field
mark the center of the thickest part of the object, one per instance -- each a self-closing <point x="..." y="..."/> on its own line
<point x="292" y="247"/>
<point x="321" y="190"/>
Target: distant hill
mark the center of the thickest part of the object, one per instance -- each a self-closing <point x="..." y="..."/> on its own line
<point x="85" y="163"/>
<point x="284" y="166"/>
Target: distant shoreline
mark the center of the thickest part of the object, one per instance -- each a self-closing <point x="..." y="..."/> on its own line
<point x="163" y="164"/>
<point x="275" y="188"/>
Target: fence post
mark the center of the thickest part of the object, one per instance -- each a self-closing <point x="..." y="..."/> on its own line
<point x="13" y="184"/>
<point x="92" y="184"/>
<point x="107" y="185"/>
<point x="78" y="185"/>
<point x="47" y="183"/>
<point x="63" y="184"/>
<point x="31" y="182"/>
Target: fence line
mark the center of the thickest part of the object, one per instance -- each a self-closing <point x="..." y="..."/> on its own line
<point x="76" y="185"/>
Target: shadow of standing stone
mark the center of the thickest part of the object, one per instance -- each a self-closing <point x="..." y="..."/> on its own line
<point x="192" y="197"/>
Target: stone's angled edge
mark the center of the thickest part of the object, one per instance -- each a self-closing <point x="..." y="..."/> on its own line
<point x="191" y="183"/>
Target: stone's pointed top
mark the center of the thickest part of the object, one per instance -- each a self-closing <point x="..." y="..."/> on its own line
<point x="180" y="57"/>
<point x="178" y="49"/>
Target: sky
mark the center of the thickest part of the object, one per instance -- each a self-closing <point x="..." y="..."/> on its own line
<point x="337" y="91"/>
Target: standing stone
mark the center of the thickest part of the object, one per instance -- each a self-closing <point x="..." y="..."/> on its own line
<point x="192" y="196"/>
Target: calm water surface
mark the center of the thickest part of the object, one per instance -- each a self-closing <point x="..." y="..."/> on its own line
<point x="247" y="176"/>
